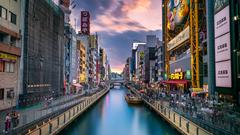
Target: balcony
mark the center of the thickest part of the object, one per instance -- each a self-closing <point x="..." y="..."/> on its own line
<point x="10" y="49"/>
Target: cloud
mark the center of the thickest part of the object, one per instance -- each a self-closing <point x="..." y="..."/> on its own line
<point x="119" y="22"/>
<point x="118" y="47"/>
<point x="117" y="16"/>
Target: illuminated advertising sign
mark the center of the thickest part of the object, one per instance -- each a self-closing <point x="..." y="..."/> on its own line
<point x="177" y="76"/>
<point x="222" y="22"/>
<point x="222" y="48"/>
<point x="180" y="38"/>
<point x="223" y="74"/>
<point x="177" y="12"/>
<point x="7" y="57"/>
<point x="85" y="22"/>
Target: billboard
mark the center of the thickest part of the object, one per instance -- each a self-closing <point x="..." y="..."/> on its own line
<point x="222" y="22"/>
<point x="222" y="48"/>
<point x="180" y="38"/>
<point x="85" y="22"/>
<point x="223" y="74"/>
<point x="177" y="13"/>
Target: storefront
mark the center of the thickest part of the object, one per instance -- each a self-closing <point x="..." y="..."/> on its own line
<point x="179" y="80"/>
<point x="8" y="80"/>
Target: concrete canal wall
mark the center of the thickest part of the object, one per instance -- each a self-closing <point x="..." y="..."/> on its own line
<point x="179" y="122"/>
<point x="55" y="125"/>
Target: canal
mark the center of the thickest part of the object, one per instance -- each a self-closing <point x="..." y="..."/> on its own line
<point x="113" y="116"/>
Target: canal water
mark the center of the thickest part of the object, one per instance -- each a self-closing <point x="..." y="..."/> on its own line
<point x="113" y="116"/>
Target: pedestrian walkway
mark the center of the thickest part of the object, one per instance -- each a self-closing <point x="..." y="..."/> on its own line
<point x="38" y="111"/>
<point x="214" y="119"/>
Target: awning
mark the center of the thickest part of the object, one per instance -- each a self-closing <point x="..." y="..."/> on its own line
<point x="77" y="85"/>
<point x="176" y="82"/>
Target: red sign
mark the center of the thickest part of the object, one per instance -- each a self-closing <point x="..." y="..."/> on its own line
<point x="85" y="22"/>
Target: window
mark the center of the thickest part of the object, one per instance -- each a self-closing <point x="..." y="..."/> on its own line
<point x="13" y="41"/>
<point x="1" y="66"/>
<point x="13" y="18"/>
<point x="10" y="93"/>
<point x="9" y="67"/>
<point x="1" y="94"/>
<point x="3" y="12"/>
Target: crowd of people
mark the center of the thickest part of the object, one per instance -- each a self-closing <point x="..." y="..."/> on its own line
<point x="11" y="121"/>
<point x="200" y="109"/>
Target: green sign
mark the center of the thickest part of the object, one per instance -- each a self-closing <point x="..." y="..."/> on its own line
<point x="188" y="74"/>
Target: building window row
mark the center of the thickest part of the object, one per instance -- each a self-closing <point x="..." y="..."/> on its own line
<point x="7" y="67"/>
<point x="4" y="15"/>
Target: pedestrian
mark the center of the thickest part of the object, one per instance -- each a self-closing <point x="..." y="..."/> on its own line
<point x="18" y="117"/>
<point x="7" y="123"/>
<point x="13" y="118"/>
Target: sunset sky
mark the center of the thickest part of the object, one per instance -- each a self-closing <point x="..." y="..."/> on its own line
<point x="120" y="22"/>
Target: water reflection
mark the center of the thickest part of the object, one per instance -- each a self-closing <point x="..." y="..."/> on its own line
<point x="113" y="116"/>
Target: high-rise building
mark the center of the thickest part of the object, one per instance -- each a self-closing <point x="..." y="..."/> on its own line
<point x="140" y="62"/>
<point x="43" y="51"/>
<point x="102" y="62"/>
<point x="151" y="40"/>
<point x="83" y="62"/>
<point x="133" y="65"/>
<point x="10" y="52"/>
<point x="223" y="50"/>
<point x="159" y="62"/>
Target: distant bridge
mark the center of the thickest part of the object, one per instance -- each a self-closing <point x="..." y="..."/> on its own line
<point x="116" y="82"/>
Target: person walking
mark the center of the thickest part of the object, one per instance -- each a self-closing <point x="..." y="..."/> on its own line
<point x="7" y="123"/>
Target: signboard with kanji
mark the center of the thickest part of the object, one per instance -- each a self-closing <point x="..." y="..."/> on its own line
<point x="85" y="22"/>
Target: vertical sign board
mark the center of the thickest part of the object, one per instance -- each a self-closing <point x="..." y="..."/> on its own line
<point x="85" y="22"/>
<point x="223" y="73"/>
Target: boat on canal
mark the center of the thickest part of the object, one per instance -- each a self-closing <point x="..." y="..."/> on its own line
<point x="132" y="99"/>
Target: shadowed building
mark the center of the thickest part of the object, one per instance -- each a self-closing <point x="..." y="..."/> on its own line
<point x="43" y="50"/>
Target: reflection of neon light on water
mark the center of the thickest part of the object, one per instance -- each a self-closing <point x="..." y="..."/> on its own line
<point x="105" y="106"/>
<point x="107" y="100"/>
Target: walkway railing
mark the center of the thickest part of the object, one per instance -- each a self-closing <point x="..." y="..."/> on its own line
<point x="182" y="124"/>
<point x="215" y="125"/>
<point x="56" y="124"/>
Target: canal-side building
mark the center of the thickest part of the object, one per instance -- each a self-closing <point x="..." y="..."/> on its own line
<point x="140" y="63"/>
<point x="149" y="64"/>
<point x="223" y="49"/>
<point x="133" y="65"/>
<point x="126" y="70"/>
<point x="159" y="62"/>
<point x="94" y="54"/>
<point x="102" y="58"/>
<point x="10" y="52"/>
<point x="83" y="61"/>
<point x="149" y="59"/>
<point x="183" y="56"/>
<point x="43" y="52"/>
<point x="84" y="40"/>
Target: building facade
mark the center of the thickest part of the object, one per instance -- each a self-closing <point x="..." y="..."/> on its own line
<point x="43" y="52"/>
<point x="83" y="62"/>
<point x="140" y="62"/>
<point x="10" y="52"/>
<point x="159" y="62"/>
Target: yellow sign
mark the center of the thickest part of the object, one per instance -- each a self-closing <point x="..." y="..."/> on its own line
<point x="8" y="56"/>
<point x="178" y="75"/>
